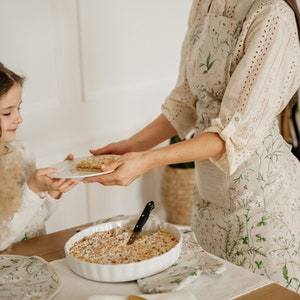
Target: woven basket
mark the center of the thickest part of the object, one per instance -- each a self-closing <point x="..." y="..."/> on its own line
<point x="177" y="194"/>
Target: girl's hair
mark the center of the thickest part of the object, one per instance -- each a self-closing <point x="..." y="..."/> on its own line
<point x="7" y="79"/>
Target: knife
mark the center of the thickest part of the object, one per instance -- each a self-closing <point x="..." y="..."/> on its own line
<point x="141" y="221"/>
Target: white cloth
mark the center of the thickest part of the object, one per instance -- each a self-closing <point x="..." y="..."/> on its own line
<point x="231" y="284"/>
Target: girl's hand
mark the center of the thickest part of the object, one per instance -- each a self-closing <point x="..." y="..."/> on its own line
<point x="67" y="183"/>
<point x="40" y="181"/>
<point x="70" y="157"/>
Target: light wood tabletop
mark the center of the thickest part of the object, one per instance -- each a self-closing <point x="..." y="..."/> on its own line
<point x="51" y="247"/>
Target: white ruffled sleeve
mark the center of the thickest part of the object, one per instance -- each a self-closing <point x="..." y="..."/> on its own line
<point x="47" y="203"/>
<point x="261" y="85"/>
<point x="31" y="205"/>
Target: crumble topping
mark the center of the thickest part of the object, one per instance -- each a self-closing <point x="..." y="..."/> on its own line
<point x="93" y="164"/>
<point x="110" y="247"/>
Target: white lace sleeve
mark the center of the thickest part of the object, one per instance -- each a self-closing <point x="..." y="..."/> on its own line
<point x="261" y="85"/>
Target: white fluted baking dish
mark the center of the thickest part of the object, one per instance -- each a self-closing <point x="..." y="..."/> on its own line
<point x="127" y="271"/>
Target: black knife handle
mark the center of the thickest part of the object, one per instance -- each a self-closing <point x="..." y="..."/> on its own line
<point x="144" y="216"/>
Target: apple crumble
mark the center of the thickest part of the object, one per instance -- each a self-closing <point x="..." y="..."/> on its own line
<point x="110" y="247"/>
<point x="93" y="164"/>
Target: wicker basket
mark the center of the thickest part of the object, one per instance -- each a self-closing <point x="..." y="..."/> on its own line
<point x="177" y="194"/>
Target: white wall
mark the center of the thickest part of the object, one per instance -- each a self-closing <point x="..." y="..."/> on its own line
<point x="97" y="71"/>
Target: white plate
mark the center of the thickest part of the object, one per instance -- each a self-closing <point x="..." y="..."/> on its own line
<point x="24" y="277"/>
<point x="123" y="272"/>
<point x="67" y="168"/>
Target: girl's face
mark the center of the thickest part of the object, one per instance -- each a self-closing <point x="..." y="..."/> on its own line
<point x="10" y="116"/>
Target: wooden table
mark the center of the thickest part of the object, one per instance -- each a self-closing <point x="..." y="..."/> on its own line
<point x="51" y="247"/>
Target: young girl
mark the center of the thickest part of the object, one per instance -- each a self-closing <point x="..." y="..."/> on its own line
<point x="27" y="196"/>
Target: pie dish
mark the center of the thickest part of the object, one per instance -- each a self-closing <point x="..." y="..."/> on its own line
<point x="126" y="271"/>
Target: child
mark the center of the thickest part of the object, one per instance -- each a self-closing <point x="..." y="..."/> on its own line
<point x="28" y="196"/>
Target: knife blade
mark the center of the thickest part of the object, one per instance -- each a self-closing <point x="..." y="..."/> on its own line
<point x="141" y="221"/>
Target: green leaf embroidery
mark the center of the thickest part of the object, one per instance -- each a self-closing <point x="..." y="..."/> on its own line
<point x="194" y="273"/>
<point x="259" y="238"/>
<point x="262" y="222"/>
<point x="209" y="63"/>
<point x="245" y="240"/>
<point x="259" y="264"/>
<point x="177" y="281"/>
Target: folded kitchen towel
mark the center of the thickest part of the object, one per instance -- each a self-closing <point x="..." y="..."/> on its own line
<point x="192" y="261"/>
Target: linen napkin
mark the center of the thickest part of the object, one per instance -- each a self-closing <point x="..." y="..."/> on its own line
<point x="192" y="262"/>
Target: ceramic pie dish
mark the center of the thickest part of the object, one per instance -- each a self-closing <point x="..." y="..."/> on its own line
<point x="127" y="271"/>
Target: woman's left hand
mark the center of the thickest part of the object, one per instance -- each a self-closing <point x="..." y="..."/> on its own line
<point x="125" y="170"/>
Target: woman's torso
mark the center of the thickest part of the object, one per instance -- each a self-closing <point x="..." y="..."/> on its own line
<point x="214" y="52"/>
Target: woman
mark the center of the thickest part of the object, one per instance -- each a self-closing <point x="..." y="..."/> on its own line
<point x="240" y="67"/>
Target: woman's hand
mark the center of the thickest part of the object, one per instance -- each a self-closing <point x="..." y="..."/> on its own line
<point x="125" y="169"/>
<point x="136" y="158"/>
<point x="119" y="148"/>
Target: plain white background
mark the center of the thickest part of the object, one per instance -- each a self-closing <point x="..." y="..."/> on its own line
<point x="97" y="71"/>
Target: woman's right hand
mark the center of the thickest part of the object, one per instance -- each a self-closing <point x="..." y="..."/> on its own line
<point x="119" y="148"/>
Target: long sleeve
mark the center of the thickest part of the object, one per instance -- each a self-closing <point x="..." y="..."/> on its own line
<point x="28" y="220"/>
<point x="261" y="85"/>
<point x="237" y="73"/>
<point x="12" y="230"/>
<point x="179" y="107"/>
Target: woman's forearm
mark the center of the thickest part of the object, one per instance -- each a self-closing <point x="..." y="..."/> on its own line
<point x="201" y="147"/>
<point x="155" y="133"/>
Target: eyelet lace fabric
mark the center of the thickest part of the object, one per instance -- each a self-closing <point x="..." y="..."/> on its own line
<point x="240" y="66"/>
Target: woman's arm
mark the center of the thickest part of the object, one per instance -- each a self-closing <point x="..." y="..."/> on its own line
<point x="131" y="165"/>
<point x="155" y="133"/>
